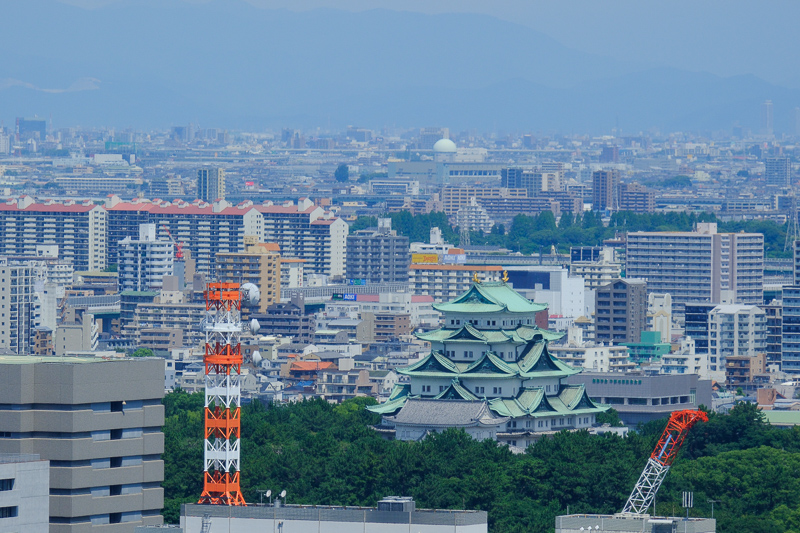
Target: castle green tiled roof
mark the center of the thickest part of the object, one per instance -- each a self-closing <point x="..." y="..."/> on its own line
<point x="571" y="400"/>
<point x="469" y="333"/>
<point x="529" y="402"/>
<point x="534" y="362"/>
<point x="490" y="297"/>
<point x="456" y="392"/>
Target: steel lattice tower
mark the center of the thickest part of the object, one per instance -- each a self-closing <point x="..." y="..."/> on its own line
<point x="680" y="422"/>
<point x="223" y="364"/>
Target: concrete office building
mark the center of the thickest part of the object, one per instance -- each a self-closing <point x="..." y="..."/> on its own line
<point x="210" y="184"/>
<point x="24" y="493"/>
<point x="620" y="311"/>
<point x="17" y="304"/>
<point x="551" y="285"/>
<point x="145" y="261"/>
<point x="98" y="422"/>
<point x="378" y="255"/>
<point x="699" y="266"/>
<point x="259" y="264"/>
<point x="393" y="515"/>
<point x="642" y="398"/>
<point x="79" y="230"/>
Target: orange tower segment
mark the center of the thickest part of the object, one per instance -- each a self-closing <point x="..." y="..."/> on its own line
<point x="223" y="365"/>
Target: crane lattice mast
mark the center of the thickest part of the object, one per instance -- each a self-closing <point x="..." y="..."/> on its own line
<point x="223" y="365"/>
<point x="661" y="459"/>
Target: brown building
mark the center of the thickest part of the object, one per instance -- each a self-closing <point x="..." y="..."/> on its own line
<point x="636" y="198"/>
<point x="741" y="370"/>
<point x="160" y="338"/>
<point x="454" y="198"/>
<point x="621" y="311"/>
<point x="390" y="326"/>
<point x="259" y="264"/>
<point x="604" y="190"/>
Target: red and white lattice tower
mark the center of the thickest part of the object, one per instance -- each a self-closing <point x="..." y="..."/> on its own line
<point x="223" y="363"/>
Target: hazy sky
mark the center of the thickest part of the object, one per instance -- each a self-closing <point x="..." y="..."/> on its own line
<point x="724" y="37"/>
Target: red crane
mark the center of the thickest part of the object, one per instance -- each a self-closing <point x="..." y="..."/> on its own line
<point x="661" y="459"/>
<point x="178" y="246"/>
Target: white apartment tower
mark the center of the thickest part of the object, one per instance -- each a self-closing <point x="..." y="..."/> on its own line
<point x="143" y="263"/>
<point x="17" y="304"/>
<point x="735" y="330"/>
<point x="699" y="266"/>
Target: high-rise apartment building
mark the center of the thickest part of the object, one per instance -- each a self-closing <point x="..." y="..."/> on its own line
<point x="144" y="262"/>
<point x="308" y="232"/>
<point x="621" y="311"/>
<point x="735" y="330"/>
<point x="766" y="118"/>
<point x="18" y="304"/>
<point x="774" y="313"/>
<point x="790" y="338"/>
<point x="636" y="198"/>
<point x="211" y="184"/>
<point x="604" y="190"/>
<point x="204" y="229"/>
<point x="378" y="255"/>
<point x="778" y="171"/>
<point x="699" y="266"/>
<point x="98" y="422"/>
<point x="79" y="230"/>
<point x="259" y="264"/>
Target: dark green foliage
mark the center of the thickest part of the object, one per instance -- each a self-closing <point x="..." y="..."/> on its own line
<point x="363" y="223"/>
<point x="610" y="417"/>
<point x="677" y="182"/>
<point x="327" y="454"/>
<point x="342" y="173"/>
<point x="532" y="235"/>
<point x="142" y="352"/>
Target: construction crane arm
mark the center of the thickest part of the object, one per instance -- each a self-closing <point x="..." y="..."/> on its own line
<point x="661" y="459"/>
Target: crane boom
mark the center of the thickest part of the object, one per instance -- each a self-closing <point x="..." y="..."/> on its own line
<point x="661" y="459"/>
<point x="178" y="245"/>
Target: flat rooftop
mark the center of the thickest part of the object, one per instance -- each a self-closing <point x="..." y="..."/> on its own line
<point x="576" y="523"/>
<point x="328" y="513"/>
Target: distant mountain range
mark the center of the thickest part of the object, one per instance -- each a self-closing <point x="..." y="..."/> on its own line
<point x="152" y="64"/>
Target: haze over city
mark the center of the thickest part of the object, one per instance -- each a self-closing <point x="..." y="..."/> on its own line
<point x="394" y="266"/>
<point x="500" y="66"/>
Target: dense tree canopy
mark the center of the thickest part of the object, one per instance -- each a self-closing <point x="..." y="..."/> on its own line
<point x="530" y="235"/>
<point x="327" y="454"/>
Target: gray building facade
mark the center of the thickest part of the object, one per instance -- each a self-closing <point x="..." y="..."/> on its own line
<point x="641" y="398"/>
<point x="620" y="311"/>
<point x="99" y="423"/>
<point x="378" y="255"/>
<point x="24" y="493"/>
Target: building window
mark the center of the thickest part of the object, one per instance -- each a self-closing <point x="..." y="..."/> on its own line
<point x="6" y="484"/>
<point x="9" y="512"/>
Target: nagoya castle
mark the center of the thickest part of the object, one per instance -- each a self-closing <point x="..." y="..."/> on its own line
<point x="488" y="372"/>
